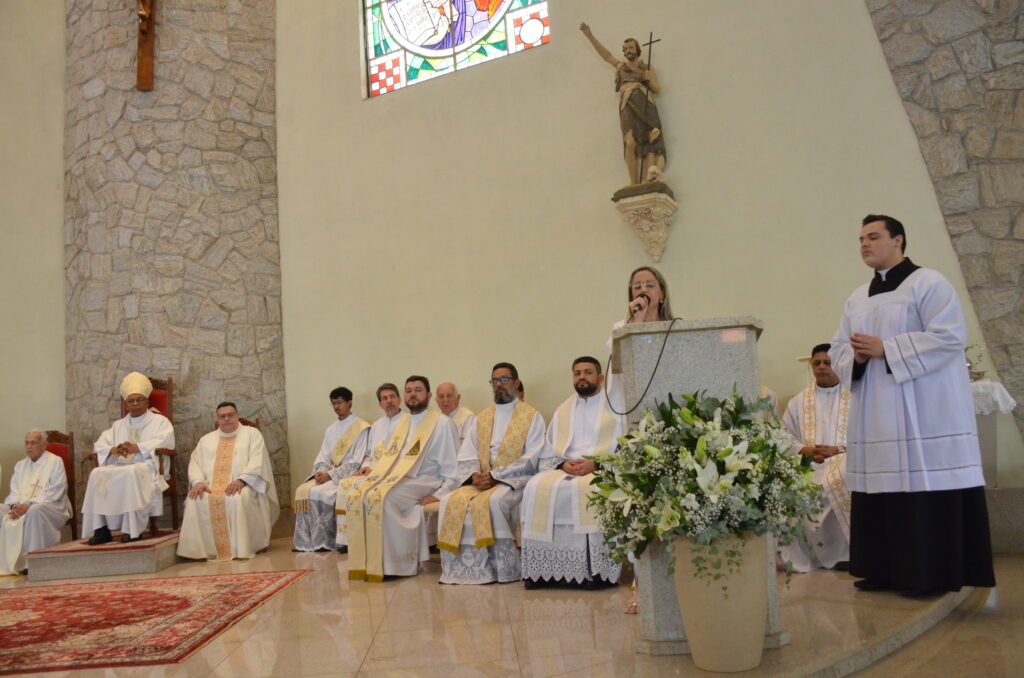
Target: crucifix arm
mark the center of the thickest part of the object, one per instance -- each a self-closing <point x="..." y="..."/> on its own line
<point x="601" y="50"/>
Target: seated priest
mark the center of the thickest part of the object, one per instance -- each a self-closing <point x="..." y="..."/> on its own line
<point x="448" y="399"/>
<point x="816" y="417"/>
<point x="341" y="455"/>
<point x="127" y="488"/>
<point x="35" y="511"/>
<point x="500" y="454"/>
<point x="232" y="503"/>
<point x="390" y="402"/>
<point x="561" y="538"/>
<point x="387" y="533"/>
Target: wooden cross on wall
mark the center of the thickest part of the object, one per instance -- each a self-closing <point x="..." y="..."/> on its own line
<point x="147" y="42"/>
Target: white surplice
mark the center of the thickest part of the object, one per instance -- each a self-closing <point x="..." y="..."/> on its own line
<point x="316" y="528"/>
<point x="567" y="549"/>
<point x="250" y="513"/>
<point x="380" y="432"/>
<point x="911" y="426"/>
<point x="500" y="562"/>
<point x="828" y="535"/>
<point x="43" y="484"/>
<point x="123" y="493"/>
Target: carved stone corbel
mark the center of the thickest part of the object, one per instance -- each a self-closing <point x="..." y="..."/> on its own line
<point x="648" y="209"/>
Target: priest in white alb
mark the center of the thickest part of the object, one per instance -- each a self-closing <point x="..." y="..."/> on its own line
<point x="449" y="399"/>
<point x="341" y="454"/>
<point x="817" y="419"/>
<point x="37" y="507"/>
<point x="500" y="454"/>
<point x="919" y="523"/>
<point x="387" y="533"/>
<point x="562" y="540"/>
<point x="390" y="403"/>
<point x="232" y="500"/>
<point x="127" y="488"/>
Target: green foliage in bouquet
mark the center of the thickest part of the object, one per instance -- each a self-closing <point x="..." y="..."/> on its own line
<point x="708" y="469"/>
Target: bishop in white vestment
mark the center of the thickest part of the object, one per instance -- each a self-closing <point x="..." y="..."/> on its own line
<point x="562" y="540"/>
<point x="341" y="454"/>
<point x="477" y="522"/>
<point x="817" y="418"/>
<point x="127" y="488"/>
<point x="919" y="523"/>
<point x="37" y="507"/>
<point x="387" y="533"/>
<point x="232" y="500"/>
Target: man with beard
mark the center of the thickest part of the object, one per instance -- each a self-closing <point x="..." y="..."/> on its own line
<point x="561" y="538"/>
<point x="386" y="530"/>
<point x="497" y="458"/>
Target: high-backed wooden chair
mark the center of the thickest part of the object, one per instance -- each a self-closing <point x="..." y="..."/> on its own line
<point x="63" y="445"/>
<point x="162" y="400"/>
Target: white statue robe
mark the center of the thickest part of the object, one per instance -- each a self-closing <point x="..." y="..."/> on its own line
<point x="380" y="433"/>
<point x="559" y="545"/>
<point x="405" y="542"/>
<point x="912" y="426"/>
<point x="828" y="536"/>
<point x="43" y="484"/>
<point x="123" y="493"/>
<point x="243" y="528"/>
<point x="316" y="529"/>
<point x="500" y="562"/>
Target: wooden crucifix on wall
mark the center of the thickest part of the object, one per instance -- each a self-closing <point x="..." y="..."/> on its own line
<point x="147" y="43"/>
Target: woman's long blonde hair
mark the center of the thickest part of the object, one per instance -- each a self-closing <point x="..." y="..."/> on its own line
<point x="664" y="309"/>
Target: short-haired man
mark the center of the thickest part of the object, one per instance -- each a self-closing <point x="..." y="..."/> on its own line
<point x="35" y="511"/>
<point x="341" y="454"/>
<point x="497" y="458"/>
<point x="919" y="523"/>
<point x="232" y="503"/>
<point x="561" y="538"/>
<point x="390" y="402"/>
<point x="817" y="418"/>
<point x="127" y="488"/>
<point x="386" y="529"/>
<point x="448" y="400"/>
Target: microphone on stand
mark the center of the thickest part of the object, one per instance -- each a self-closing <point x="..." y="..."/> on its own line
<point x="636" y="308"/>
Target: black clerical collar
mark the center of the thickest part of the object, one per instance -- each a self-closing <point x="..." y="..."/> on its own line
<point x="893" y="277"/>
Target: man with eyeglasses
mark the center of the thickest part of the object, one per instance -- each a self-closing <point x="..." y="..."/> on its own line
<point x="126" y="488"/>
<point x="497" y="458"/>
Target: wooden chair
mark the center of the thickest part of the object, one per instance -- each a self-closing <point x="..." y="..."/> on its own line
<point x="63" y="445"/>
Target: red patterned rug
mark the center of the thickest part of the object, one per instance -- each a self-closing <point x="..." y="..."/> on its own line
<point x="125" y="623"/>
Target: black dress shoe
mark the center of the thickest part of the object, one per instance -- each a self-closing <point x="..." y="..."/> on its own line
<point x="101" y="536"/>
<point x="530" y="584"/>
<point x="871" y="585"/>
<point x="127" y="538"/>
<point x="342" y="549"/>
<point x="323" y="550"/>
<point x="842" y="566"/>
<point x="25" y="571"/>
<point x="595" y="584"/>
<point x="919" y="593"/>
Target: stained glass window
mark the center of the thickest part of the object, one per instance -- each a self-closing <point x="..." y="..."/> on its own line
<point x="410" y="41"/>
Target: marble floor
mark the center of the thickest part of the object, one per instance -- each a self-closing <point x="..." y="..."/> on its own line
<point x="325" y="625"/>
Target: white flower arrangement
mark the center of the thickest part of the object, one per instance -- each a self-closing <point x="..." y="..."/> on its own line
<point x="708" y="470"/>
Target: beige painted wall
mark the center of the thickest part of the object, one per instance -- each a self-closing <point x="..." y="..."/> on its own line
<point x="467" y="220"/>
<point x="32" y="223"/>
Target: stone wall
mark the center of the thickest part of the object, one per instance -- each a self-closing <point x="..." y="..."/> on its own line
<point x="959" y="67"/>
<point x="171" y="231"/>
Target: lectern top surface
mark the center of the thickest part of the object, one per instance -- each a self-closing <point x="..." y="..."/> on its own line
<point x="742" y="321"/>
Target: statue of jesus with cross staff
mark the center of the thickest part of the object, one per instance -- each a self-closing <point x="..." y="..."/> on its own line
<point x="637" y="83"/>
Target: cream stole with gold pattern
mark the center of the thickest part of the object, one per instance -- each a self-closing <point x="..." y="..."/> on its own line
<point x="338" y="452"/>
<point x="218" y="500"/>
<point x="541" y="523"/>
<point x="467" y="497"/>
<point x="835" y="478"/>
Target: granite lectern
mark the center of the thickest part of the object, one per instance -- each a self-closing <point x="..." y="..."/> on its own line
<point x="715" y="356"/>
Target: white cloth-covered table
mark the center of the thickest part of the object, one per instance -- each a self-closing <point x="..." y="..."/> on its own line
<point x="991" y="397"/>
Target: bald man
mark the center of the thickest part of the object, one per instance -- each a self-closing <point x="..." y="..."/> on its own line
<point x="449" y="399"/>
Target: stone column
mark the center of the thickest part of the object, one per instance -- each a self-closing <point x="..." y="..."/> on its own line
<point x="172" y="263"/>
<point x="959" y="67"/>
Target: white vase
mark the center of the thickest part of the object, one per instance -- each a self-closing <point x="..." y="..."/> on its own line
<point x="726" y="634"/>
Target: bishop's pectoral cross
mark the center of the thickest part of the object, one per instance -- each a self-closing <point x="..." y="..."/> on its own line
<point x="147" y="42"/>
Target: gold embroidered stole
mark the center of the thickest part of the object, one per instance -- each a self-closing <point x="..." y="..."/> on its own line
<point x="835" y="475"/>
<point x="218" y="500"/>
<point x="301" y="503"/>
<point x="467" y="497"/>
<point x="544" y="491"/>
<point x="461" y="415"/>
<point x="357" y="486"/>
<point x="374" y="510"/>
<point x="36" y="476"/>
